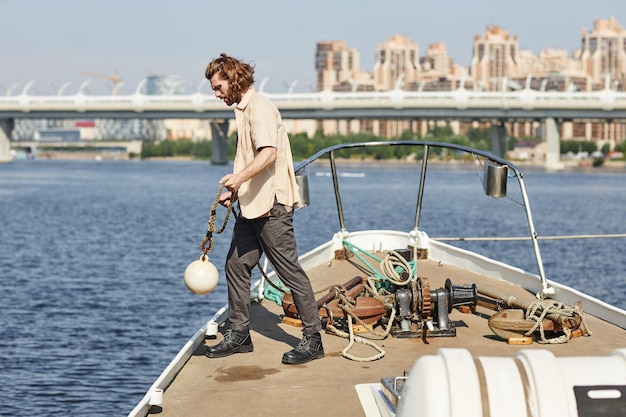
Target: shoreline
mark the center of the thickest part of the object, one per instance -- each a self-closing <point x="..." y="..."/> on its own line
<point x="586" y="166"/>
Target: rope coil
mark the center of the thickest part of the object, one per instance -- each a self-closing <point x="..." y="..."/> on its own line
<point x="538" y="310"/>
<point x="395" y="269"/>
<point x="346" y="304"/>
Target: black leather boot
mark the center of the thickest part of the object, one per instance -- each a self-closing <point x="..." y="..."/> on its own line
<point x="234" y="342"/>
<point x="309" y="348"/>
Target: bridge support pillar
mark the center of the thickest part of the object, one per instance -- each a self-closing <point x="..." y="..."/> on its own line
<point x="219" y="135"/>
<point x="553" y="144"/>
<point x="498" y="139"/>
<point x="6" y="128"/>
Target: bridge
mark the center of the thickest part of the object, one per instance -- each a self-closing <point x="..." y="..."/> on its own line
<point x="495" y="107"/>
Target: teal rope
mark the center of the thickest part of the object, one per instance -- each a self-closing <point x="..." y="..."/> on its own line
<point x="356" y="250"/>
<point x="272" y="294"/>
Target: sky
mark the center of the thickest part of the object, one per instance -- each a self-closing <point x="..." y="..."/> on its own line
<point x="54" y="42"/>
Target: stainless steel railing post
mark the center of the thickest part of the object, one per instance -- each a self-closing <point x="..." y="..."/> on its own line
<point x="333" y="169"/>
<point x="418" y="208"/>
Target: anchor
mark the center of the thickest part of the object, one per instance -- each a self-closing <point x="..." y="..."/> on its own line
<point x="368" y="309"/>
<point x="516" y="319"/>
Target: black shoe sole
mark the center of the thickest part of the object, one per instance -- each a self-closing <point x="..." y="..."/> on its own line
<point x="295" y="361"/>
<point x="238" y="349"/>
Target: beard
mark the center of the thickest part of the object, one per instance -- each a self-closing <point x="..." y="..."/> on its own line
<point x="232" y="98"/>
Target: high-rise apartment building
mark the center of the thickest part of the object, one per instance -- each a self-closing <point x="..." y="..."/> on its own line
<point x="338" y="69"/>
<point x="497" y="63"/>
<point x="603" y="53"/>
<point x="439" y="71"/>
<point x="335" y="65"/>
<point x="397" y="59"/>
<point x="496" y="57"/>
<point x="438" y="59"/>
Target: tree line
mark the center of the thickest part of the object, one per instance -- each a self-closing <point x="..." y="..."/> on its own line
<point x="303" y="146"/>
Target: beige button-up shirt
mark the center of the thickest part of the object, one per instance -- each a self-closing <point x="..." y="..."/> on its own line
<point x="259" y="125"/>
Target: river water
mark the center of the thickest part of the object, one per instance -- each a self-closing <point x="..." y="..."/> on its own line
<point x="93" y="252"/>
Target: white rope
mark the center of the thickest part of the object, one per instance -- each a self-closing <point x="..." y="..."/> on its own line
<point x="389" y="264"/>
<point x="546" y="307"/>
<point x="345" y="305"/>
<point x="356" y="339"/>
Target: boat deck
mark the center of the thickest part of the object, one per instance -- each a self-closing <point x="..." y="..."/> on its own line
<point x="258" y="384"/>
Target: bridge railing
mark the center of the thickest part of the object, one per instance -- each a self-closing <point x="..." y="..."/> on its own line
<point x="527" y="99"/>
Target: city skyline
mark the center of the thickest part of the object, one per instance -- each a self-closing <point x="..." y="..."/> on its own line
<point x="58" y="41"/>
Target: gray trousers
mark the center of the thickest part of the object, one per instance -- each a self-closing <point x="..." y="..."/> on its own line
<point x="274" y="236"/>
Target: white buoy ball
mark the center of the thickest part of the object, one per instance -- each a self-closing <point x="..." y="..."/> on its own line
<point x="201" y="276"/>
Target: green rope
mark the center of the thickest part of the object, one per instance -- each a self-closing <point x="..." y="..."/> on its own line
<point x="275" y="294"/>
<point x="356" y="250"/>
<point x="385" y="280"/>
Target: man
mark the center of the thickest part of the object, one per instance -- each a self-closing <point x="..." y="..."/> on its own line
<point x="264" y="186"/>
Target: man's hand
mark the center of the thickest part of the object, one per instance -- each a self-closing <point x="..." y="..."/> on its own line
<point x="264" y="158"/>
<point x="232" y="182"/>
<point x="228" y="198"/>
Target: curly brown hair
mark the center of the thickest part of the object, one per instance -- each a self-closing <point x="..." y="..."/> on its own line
<point x="240" y="74"/>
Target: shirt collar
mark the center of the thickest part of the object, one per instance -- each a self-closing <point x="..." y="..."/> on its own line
<point x="245" y="99"/>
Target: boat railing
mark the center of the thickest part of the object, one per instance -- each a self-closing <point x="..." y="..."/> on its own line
<point x="487" y="157"/>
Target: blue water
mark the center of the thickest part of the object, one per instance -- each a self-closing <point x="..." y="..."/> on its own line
<point x="92" y="255"/>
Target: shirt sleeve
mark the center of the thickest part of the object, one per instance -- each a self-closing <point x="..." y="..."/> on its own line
<point x="263" y="124"/>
